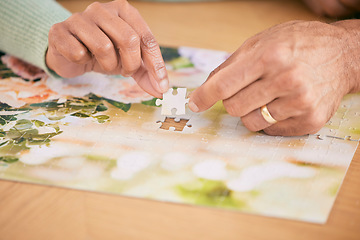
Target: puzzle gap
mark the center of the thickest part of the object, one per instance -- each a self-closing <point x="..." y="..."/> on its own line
<point x="174" y="124"/>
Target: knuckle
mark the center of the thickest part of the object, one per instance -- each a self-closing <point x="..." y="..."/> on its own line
<point x="149" y="42"/>
<point x="290" y="81"/>
<point x="130" y="8"/>
<point x="93" y="7"/>
<point x="103" y="50"/>
<point x="74" y="18"/>
<point x="134" y="10"/>
<point x="250" y="42"/>
<point x="307" y="101"/>
<point x="130" y="70"/>
<point x="315" y="121"/>
<point x="314" y="129"/>
<point x="78" y="56"/>
<point x="55" y="28"/>
<point x="54" y="32"/>
<point x="121" y="2"/>
<point x="212" y="73"/>
<point x="215" y="71"/>
<point x="131" y="42"/>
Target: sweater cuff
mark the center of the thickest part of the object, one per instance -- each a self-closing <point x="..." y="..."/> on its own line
<point x="24" y="28"/>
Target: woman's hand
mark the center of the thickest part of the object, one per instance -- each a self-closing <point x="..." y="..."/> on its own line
<point x="300" y="70"/>
<point x="109" y="38"/>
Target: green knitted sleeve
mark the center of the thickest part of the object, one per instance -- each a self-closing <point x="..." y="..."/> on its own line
<point x="24" y="28"/>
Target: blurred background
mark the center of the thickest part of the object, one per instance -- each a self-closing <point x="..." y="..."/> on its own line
<point x="221" y="25"/>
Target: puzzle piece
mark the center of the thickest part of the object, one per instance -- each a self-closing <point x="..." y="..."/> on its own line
<point x="323" y="136"/>
<point x="171" y="101"/>
<point x="174" y="124"/>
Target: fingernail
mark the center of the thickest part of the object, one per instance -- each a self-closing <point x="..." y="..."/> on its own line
<point x="193" y="106"/>
<point x="164" y="85"/>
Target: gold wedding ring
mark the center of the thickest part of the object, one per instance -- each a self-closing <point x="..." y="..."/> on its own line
<point x="267" y="116"/>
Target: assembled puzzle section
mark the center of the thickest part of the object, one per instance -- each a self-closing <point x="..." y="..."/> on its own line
<point x="345" y="124"/>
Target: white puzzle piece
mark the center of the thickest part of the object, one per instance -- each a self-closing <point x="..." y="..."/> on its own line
<point x="171" y="101"/>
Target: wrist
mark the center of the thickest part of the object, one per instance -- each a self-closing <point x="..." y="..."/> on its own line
<point x="351" y="51"/>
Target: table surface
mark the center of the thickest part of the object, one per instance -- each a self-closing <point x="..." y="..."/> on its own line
<point x="41" y="212"/>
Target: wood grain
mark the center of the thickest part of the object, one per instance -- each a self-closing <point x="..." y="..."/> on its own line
<point x="41" y="212"/>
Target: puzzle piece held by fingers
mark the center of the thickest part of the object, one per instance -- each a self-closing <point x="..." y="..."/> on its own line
<point x="173" y="101"/>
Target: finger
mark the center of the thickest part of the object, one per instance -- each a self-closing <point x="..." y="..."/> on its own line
<point x="95" y="40"/>
<point x="142" y="77"/>
<point x="225" y="83"/>
<point x="353" y="4"/>
<point x="67" y="45"/>
<point x="254" y="121"/>
<point x="286" y="107"/>
<point x="294" y="127"/>
<point x="251" y="97"/>
<point x="289" y="127"/>
<point x="150" y="49"/>
<point x="274" y="86"/>
<point x="303" y="120"/>
<point x="280" y="109"/>
<point x="124" y="38"/>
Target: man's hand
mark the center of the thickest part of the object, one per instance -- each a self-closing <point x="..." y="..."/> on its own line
<point x="300" y="70"/>
<point x="334" y="8"/>
<point x="110" y="38"/>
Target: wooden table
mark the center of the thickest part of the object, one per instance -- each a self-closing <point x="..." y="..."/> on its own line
<point x="40" y="212"/>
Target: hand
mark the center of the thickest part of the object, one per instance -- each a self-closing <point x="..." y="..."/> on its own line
<point x="334" y="8"/>
<point x="110" y="38"/>
<point x="300" y="70"/>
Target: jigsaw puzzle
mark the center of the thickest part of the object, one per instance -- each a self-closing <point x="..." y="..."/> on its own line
<point x="101" y="133"/>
